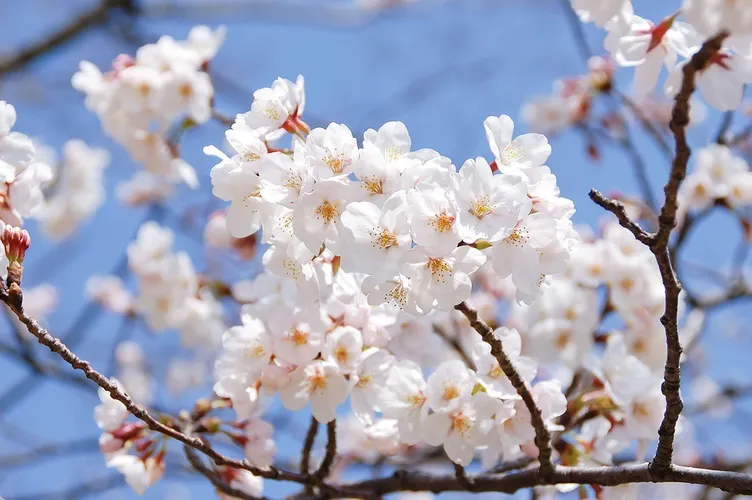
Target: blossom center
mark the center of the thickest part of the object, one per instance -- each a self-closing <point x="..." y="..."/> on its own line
<point x="392" y="152"/>
<point x="254" y="351"/>
<point x="385" y="239"/>
<point x="271" y="112"/>
<point x="451" y="392"/>
<point x="251" y="156"/>
<point x="299" y="337"/>
<point x="327" y="211"/>
<point x="416" y="399"/>
<point x="364" y="381"/>
<point x="460" y="422"/>
<point x="518" y="237"/>
<point x="640" y="410"/>
<point x="562" y="340"/>
<point x="293" y="181"/>
<point x="185" y="90"/>
<point x="438" y="266"/>
<point x="398" y="294"/>
<point x="341" y="354"/>
<point x="318" y="382"/>
<point x="481" y="206"/>
<point x="511" y="153"/>
<point x="373" y="185"/>
<point x="336" y="162"/>
<point x="442" y="222"/>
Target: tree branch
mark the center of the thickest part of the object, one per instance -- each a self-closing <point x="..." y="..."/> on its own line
<point x="307" y="447"/>
<point x="509" y="483"/>
<point x="542" y="435"/>
<point x="666" y="223"/>
<point x="68" y="32"/>
<point x="210" y="474"/>
<point x="620" y="211"/>
<point x="331" y="451"/>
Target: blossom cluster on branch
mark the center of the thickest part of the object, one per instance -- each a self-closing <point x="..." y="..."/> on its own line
<point x="409" y="302"/>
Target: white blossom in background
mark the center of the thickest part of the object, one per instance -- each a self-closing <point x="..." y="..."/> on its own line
<point x="78" y="189"/>
<point x="23" y="174"/>
<point x="140" y="100"/>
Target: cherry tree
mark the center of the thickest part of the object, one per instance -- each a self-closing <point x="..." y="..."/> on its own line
<point x="447" y="323"/>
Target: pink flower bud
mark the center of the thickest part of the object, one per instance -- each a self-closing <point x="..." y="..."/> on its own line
<point x="109" y="443"/>
<point x="143" y="446"/>
<point x="129" y="431"/>
<point x="239" y="439"/>
<point x="16" y="241"/>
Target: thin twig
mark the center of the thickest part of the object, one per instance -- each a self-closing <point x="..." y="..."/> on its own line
<point x="210" y="474"/>
<point x="454" y="344"/>
<point x="620" y="211"/>
<point x="728" y="118"/>
<point x="462" y="479"/>
<point x="87" y="20"/>
<point x="649" y="126"/>
<point x="307" y="447"/>
<point x="542" y="435"/>
<point x="331" y="451"/>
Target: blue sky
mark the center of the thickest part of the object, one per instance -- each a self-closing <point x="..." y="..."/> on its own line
<point x="441" y="67"/>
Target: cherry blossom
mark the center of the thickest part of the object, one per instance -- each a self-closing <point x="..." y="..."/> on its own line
<point x="322" y="384"/>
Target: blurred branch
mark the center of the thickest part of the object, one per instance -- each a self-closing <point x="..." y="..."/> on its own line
<point x="454" y="344"/>
<point x="79" y="24"/>
<point x="578" y="31"/>
<point x="50" y="451"/>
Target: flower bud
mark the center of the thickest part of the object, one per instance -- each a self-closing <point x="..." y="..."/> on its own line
<point x="239" y="439"/>
<point x="129" y="431"/>
<point x="109" y="443"/>
<point x="16" y="241"/>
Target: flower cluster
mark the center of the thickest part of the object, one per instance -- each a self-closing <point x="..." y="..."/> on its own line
<point x="572" y="99"/>
<point x="636" y="42"/>
<point x="366" y="240"/>
<point x="718" y="177"/>
<point x="171" y="295"/>
<point x="139" y="100"/>
<point x="77" y="189"/>
<point x="142" y="468"/>
<point x="22" y="174"/>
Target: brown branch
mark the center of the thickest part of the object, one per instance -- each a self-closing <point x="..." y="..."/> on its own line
<point x="50" y="451"/>
<point x="620" y="211"/>
<point x="666" y="223"/>
<point x="210" y="474"/>
<point x="331" y="451"/>
<point x="76" y="26"/>
<point x="509" y="483"/>
<point x="649" y="127"/>
<point x="307" y="447"/>
<point x="542" y="435"/>
<point x="658" y="243"/>
<point x="728" y="118"/>
<point x="454" y="344"/>
<point x="466" y="482"/>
